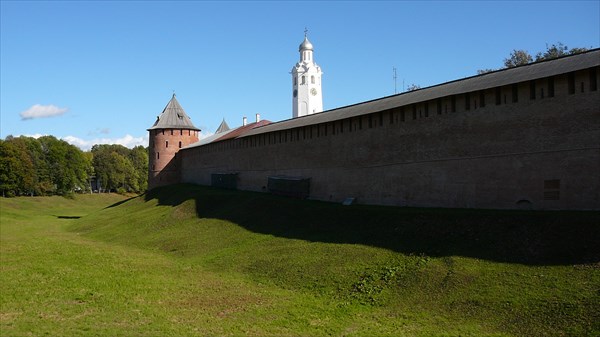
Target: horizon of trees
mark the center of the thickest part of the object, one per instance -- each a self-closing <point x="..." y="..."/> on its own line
<point x="519" y="57"/>
<point x="50" y="166"/>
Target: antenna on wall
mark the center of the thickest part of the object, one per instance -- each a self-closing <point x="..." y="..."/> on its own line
<point x="395" y="88"/>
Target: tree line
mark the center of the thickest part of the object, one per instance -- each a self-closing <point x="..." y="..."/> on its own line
<point x="50" y="166"/>
<point x="519" y="57"/>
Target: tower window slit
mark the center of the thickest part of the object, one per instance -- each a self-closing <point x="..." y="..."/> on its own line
<point x="551" y="86"/>
<point x="482" y="98"/>
<point x="453" y="103"/>
<point x="571" y="83"/>
<point x="498" y="96"/>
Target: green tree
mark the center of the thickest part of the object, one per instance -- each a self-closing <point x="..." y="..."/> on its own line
<point x="115" y="168"/>
<point x="139" y="158"/>
<point x="517" y="58"/>
<point x="67" y="164"/>
<point x="16" y="169"/>
<point x="557" y="50"/>
<point x="413" y="87"/>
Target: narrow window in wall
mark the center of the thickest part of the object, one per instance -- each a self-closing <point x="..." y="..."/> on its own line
<point x="157" y="155"/>
<point x="426" y="109"/>
<point x="333" y="128"/>
<point x="380" y="114"/>
<point x="163" y="132"/>
<point x="189" y="132"/>
<point x="475" y="103"/>
<point x="414" y="111"/>
<point x="515" y="93"/>
<point x="360" y="122"/>
<point x="532" y="90"/>
<point x="498" y="96"/>
<point x="439" y="106"/>
<point x="593" y="80"/>
<point x="542" y="93"/>
<point x="482" y="98"/>
<point x="402" y="116"/>
<point x="312" y="79"/>
<point x="171" y="132"/>
<point x="167" y="144"/>
<point x="370" y="121"/>
<point x="297" y="134"/>
<point x="180" y="145"/>
<point x="295" y="81"/>
<point x="153" y="167"/>
<point x="582" y="87"/>
<point x="453" y="103"/>
<point x="303" y="80"/>
<point x="467" y="101"/>
<point x="391" y="116"/>
<point x="551" y="86"/>
<point x="571" y="83"/>
<point x="342" y="126"/>
<point x="325" y="129"/>
<point x="181" y="132"/>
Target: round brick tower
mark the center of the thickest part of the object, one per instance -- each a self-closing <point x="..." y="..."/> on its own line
<point x="172" y="130"/>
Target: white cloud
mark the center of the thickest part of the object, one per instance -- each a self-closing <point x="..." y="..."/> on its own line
<point x="36" y="135"/>
<point x="127" y="141"/>
<point x="42" y="111"/>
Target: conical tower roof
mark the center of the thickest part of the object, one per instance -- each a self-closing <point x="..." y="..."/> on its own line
<point x="173" y="117"/>
<point x="223" y="127"/>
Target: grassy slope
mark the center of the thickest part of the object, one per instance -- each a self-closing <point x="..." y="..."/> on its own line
<point x="191" y="260"/>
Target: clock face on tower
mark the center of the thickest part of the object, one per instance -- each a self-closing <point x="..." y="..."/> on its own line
<point x="313" y="91"/>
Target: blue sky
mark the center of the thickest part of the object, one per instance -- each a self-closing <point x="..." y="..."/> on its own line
<point x="100" y="72"/>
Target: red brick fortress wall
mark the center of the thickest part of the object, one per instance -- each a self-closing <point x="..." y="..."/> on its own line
<point x="533" y="144"/>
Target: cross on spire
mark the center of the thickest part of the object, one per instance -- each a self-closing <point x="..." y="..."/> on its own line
<point x="305" y="31"/>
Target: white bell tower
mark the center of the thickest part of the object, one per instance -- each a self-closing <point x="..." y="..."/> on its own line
<point x="307" y="96"/>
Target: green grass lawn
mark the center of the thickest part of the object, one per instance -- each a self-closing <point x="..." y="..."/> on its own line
<point x="188" y="260"/>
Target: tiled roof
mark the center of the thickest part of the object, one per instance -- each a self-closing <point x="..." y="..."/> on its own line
<point x="242" y="130"/>
<point x="173" y="117"/>
<point x="229" y="134"/>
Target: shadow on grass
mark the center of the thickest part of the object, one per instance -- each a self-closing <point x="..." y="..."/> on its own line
<point x="526" y="237"/>
<point x="119" y="202"/>
<point x="67" y="217"/>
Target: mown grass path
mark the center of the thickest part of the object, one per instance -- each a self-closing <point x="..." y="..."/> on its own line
<point x="192" y="261"/>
